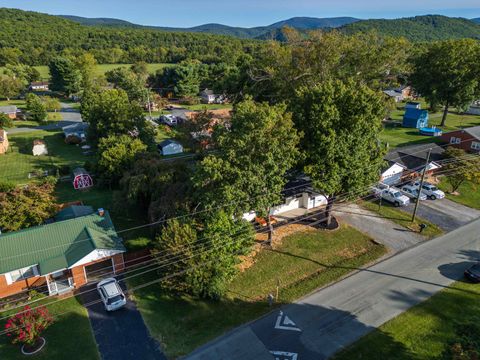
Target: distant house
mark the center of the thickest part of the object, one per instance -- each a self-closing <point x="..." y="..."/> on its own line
<point x="415" y="118"/>
<point x="413" y="105"/>
<point x="38" y="86"/>
<point x="406" y="91"/>
<point x="3" y="142"/>
<point x="467" y="139"/>
<point x="170" y="147"/>
<point x="409" y="161"/>
<point x="395" y="95"/>
<point x="76" y="133"/>
<point x="39" y="148"/>
<point x="208" y="96"/>
<point x="10" y="110"/>
<point x="61" y="256"/>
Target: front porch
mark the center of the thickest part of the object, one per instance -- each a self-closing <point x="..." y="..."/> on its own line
<point x="60" y="282"/>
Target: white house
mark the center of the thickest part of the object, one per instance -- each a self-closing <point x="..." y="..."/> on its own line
<point x="39" y="86"/>
<point x="395" y="95"/>
<point x="170" y="147"/>
<point x="208" y="97"/>
<point x="39" y="148"/>
<point x="393" y="174"/>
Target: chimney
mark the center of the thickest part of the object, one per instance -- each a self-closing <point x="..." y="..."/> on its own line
<point x="101" y="212"/>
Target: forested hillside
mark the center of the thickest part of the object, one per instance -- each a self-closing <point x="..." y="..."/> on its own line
<point x="419" y="28"/>
<point x="33" y="38"/>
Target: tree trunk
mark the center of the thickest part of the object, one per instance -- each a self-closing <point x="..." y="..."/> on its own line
<point x="445" y="113"/>
<point x="270" y="228"/>
<point x="328" y="210"/>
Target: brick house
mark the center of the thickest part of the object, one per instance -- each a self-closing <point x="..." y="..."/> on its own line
<point x="59" y="257"/>
<point x="3" y="142"/>
<point x="467" y="139"/>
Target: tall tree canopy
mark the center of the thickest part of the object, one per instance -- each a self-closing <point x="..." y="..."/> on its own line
<point x="65" y="76"/>
<point x="448" y="74"/>
<point x="341" y="123"/>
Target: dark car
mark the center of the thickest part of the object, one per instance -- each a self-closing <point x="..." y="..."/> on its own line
<point x="473" y="273"/>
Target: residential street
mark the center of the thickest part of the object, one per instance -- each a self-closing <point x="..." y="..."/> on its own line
<point x="121" y="334"/>
<point x="334" y="317"/>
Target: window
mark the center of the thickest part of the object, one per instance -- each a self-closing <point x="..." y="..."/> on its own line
<point x="21" y="274"/>
<point x="475" y="145"/>
<point x="455" y="140"/>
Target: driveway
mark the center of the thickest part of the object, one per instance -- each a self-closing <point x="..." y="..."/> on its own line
<point x="446" y="214"/>
<point x="330" y="319"/>
<point x="395" y="237"/>
<point x="122" y="334"/>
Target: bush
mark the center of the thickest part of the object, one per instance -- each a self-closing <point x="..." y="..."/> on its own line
<point x="189" y="101"/>
<point x="26" y="327"/>
<point x="138" y="243"/>
<point x="6" y="186"/>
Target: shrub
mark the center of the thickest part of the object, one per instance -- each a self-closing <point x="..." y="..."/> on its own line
<point x="6" y="186"/>
<point x="138" y="243"/>
<point x="27" y="326"/>
<point x="64" y="170"/>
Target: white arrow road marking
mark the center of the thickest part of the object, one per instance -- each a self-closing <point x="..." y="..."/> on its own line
<point x="285" y="323"/>
<point x="282" y="355"/>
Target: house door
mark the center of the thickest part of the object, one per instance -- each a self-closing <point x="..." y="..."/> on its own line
<point x="99" y="270"/>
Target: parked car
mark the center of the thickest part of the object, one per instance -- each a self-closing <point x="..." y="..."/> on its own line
<point x="473" y="273"/>
<point x="111" y="294"/>
<point x="412" y="192"/>
<point x="394" y="196"/>
<point x="169" y="119"/>
<point x="430" y="190"/>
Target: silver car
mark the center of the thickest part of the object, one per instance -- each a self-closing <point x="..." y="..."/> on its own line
<point x="111" y="294"/>
<point x="412" y="192"/>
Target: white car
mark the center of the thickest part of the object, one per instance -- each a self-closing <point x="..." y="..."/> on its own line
<point x="111" y="294"/>
<point x="412" y="192"/>
<point x="394" y="196"/>
<point x="430" y="190"/>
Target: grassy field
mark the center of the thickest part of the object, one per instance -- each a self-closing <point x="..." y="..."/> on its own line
<point x="21" y="104"/>
<point x="303" y="262"/>
<point x="468" y="193"/>
<point x="70" y="336"/>
<point x="395" y="135"/>
<point x="200" y="107"/>
<point x="18" y="162"/>
<point x="101" y="69"/>
<point x="423" y="332"/>
<point x="400" y="217"/>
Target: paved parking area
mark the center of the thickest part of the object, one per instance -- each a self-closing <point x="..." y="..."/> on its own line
<point x="446" y="214"/>
<point x="121" y="334"/>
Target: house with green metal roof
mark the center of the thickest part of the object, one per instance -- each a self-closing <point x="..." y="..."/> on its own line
<point x="80" y="246"/>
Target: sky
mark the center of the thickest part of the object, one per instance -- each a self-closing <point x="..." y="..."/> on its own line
<point x="245" y="13"/>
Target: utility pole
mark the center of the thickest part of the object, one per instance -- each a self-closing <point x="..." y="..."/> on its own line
<point x="421" y="185"/>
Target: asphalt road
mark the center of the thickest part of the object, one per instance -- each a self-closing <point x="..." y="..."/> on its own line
<point x="325" y="322"/>
<point x="446" y="214"/>
<point x="121" y="334"/>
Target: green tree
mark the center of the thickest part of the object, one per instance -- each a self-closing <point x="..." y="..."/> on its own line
<point x="341" y="123"/>
<point x="448" y="74"/>
<point x="9" y="56"/>
<point x="26" y="74"/>
<point x="52" y="104"/>
<point x="86" y="65"/>
<point x="64" y="76"/>
<point x="129" y="81"/>
<point x="462" y="168"/>
<point x="26" y="206"/>
<point x="112" y="113"/>
<point x="116" y="155"/>
<point x="36" y="108"/>
<point x="10" y="87"/>
<point x="254" y="156"/>
<point x="184" y="79"/>
<point x="5" y="121"/>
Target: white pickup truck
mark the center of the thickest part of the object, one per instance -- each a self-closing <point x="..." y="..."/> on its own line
<point x="430" y="190"/>
<point x="391" y="194"/>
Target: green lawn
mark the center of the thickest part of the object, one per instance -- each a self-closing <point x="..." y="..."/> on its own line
<point x="400" y="217"/>
<point x="21" y="104"/>
<point x="395" y="135"/>
<point x="304" y="262"/>
<point x="468" y="193"/>
<point x="101" y="69"/>
<point x="18" y="162"/>
<point x="69" y="337"/>
<point x="422" y="332"/>
<point x="200" y="107"/>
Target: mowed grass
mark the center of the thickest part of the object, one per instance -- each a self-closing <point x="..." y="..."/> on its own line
<point x="101" y="69"/>
<point x="395" y="135"/>
<point x="302" y="263"/>
<point x="422" y="332"/>
<point x="200" y="107"/>
<point x="70" y="336"/>
<point x="400" y="217"/>
<point x="468" y="193"/>
<point x="18" y="162"/>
